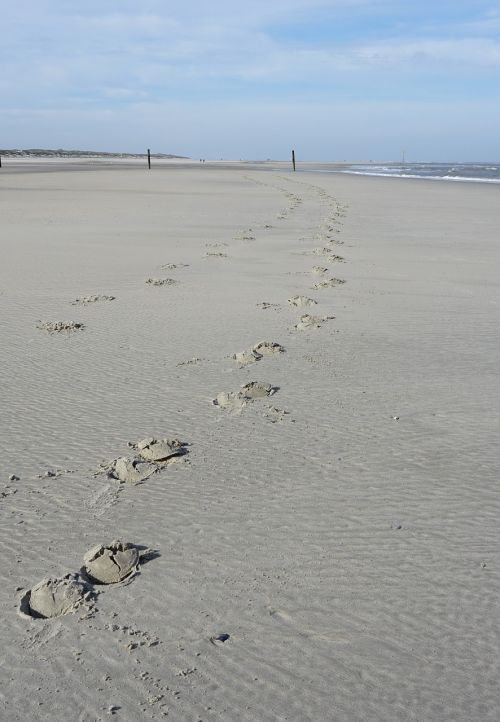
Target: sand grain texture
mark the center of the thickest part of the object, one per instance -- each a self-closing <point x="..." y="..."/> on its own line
<point x="326" y="562"/>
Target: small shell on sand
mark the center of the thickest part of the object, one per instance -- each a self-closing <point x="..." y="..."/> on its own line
<point x="159" y="449"/>
<point x="301" y="301"/>
<point x="257" y="390"/>
<point x="59" y="326"/>
<point x="131" y="470"/>
<point x="53" y="597"/>
<point x="112" y="563"/>
<point x="160" y="281"/>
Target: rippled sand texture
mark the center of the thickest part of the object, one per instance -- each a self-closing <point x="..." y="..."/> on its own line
<point x="327" y="552"/>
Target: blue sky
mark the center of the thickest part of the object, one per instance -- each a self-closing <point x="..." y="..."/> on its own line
<point x="355" y="79"/>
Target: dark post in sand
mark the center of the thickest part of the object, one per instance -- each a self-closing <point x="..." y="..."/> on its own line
<point x="149" y="159"/>
<point x="293" y="159"/>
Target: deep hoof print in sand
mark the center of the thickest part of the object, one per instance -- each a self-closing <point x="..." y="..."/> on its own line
<point x="307" y="321"/>
<point x="257" y="390"/>
<point x="151" y="456"/>
<point x="87" y="300"/>
<point x="301" y="301"/>
<point x="319" y="270"/>
<point x="160" y="281"/>
<point x="173" y="266"/>
<point x="215" y="254"/>
<point x="160" y="450"/>
<point x="53" y="597"/>
<point x="244" y="358"/>
<point x="329" y="283"/>
<point x="268" y="348"/>
<point x="237" y="400"/>
<point x="257" y="352"/>
<point x="130" y="471"/>
<point x="230" y="401"/>
<point x="60" y="326"/>
<point x="111" y="564"/>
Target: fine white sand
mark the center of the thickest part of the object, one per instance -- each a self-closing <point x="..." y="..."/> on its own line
<point x="321" y="546"/>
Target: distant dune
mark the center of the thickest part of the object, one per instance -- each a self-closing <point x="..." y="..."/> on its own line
<point x="60" y="153"/>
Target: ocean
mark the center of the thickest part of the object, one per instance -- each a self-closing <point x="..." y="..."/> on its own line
<point x="477" y="172"/>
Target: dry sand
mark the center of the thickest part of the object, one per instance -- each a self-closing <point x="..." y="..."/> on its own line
<point x="330" y="552"/>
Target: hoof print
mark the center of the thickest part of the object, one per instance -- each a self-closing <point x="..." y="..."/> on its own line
<point x="173" y="266"/>
<point x="230" y="401"/>
<point x="87" y="300"/>
<point x="274" y="415"/>
<point x="60" y="326"/>
<point x="160" y="281"/>
<point x="257" y="390"/>
<point x="308" y="321"/>
<point x="258" y="351"/>
<point x="265" y="305"/>
<point x="160" y="449"/>
<point x="111" y="564"/>
<point x="268" y="348"/>
<point x="53" y="597"/>
<point x="330" y="283"/>
<point x="301" y="301"/>
<point x="131" y="470"/>
<point x="246" y="357"/>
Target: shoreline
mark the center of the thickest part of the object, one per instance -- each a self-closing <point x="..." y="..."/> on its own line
<point x="44" y="164"/>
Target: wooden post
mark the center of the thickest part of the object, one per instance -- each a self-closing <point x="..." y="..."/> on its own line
<point x="0" y="161"/>
<point x="149" y="159"/>
<point x="293" y="159"/>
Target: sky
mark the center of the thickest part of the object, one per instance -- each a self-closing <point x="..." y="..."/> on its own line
<point x="334" y="79"/>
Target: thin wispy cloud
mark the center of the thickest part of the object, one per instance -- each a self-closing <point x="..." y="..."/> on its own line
<point x="107" y="58"/>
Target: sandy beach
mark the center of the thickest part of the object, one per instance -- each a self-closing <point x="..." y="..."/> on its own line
<point x="320" y="545"/>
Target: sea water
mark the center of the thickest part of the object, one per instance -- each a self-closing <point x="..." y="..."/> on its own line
<point x="479" y="172"/>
